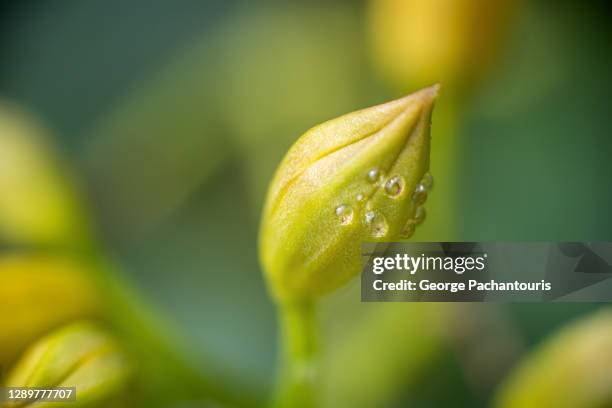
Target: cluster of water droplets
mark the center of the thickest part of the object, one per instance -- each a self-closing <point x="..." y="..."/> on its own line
<point x="419" y="196"/>
<point x="393" y="187"/>
<point x="374" y="219"/>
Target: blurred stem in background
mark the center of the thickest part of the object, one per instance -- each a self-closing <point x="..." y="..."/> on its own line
<point x="300" y="368"/>
<point x="168" y="364"/>
<point x="381" y="355"/>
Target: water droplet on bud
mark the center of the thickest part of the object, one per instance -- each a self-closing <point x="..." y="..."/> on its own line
<point x="377" y="224"/>
<point x="427" y="181"/>
<point x="408" y="229"/>
<point x="420" y="195"/>
<point x="373" y="175"/>
<point x="345" y="214"/>
<point x="394" y="186"/>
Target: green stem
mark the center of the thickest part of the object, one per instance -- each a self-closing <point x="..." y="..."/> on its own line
<point x="162" y="349"/>
<point x="299" y="372"/>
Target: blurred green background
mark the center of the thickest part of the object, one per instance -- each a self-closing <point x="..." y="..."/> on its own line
<point x="174" y="115"/>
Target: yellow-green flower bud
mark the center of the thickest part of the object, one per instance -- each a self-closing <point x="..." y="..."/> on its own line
<point x="80" y="355"/>
<point x="37" y="204"/>
<point x="38" y="293"/>
<point x="572" y="370"/>
<point x="355" y="178"/>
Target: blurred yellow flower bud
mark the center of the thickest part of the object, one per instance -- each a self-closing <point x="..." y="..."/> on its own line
<point x="37" y="205"/>
<point x="362" y="176"/>
<point x="416" y="42"/>
<point x="80" y="355"/>
<point x="572" y="370"/>
<point x="37" y="293"/>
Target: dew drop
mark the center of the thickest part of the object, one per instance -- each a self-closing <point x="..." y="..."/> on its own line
<point x="345" y="214"/>
<point x="373" y="175"/>
<point x="394" y="186"/>
<point x="408" y="229"/>
<point x="420" y="195"/>
<point x="419" y="215"/>
<point x="360" y="197"/>
<point x="427" y="181"/>
<point x="377" y="223"/>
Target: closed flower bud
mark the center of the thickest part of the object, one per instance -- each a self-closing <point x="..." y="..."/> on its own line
<point x="80" y="355"/>
<point x="38" y="293"/>
<point x="573" y="369"/>
<point x="359" y="177"/>
<point x="37" y="204"/>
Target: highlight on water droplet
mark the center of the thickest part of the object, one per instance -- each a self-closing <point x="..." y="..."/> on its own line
<point x="394" y="186"/>
<point x="369" y="216"/>
<point x="419" y="196"/>
<point x="345" y="214"/>
<point x="408" y="229"/>
<point x="427" y="181"/>
<point x="419" y="215"/>
<point x="359" y="197"/>
<point x="377" y="223"/>
<point x="374" y="175"/>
